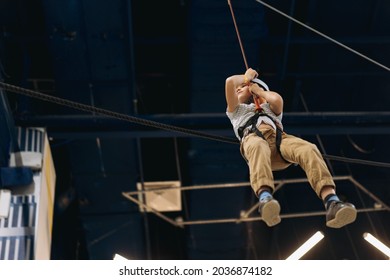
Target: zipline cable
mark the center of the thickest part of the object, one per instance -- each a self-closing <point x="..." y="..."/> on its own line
<point x="111" y="114"/>
<point x="323" y="35"/>
<point x="128" y="118"/>
<point x="357" y="161"/>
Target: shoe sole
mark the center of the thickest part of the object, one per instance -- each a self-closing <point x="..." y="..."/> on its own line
<point x="270" y="213"/>
<point x="343" y="217"/>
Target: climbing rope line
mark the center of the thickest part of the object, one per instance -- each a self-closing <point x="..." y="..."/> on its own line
<point x="255" y="99"/>
<point x="238" y="34"/>
<point x="128" y="118"/>
<point x="357" y="161"/>
<point x="111" y="114"/>
<point x="323" y="35"/>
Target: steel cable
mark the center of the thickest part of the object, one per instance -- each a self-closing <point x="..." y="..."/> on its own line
<point x="128" y="118"/>
<point x="323" y="35"/>
<point x="111" y="114"/>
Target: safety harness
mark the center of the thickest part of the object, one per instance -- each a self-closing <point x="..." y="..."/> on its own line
<point x="251" y="123"/>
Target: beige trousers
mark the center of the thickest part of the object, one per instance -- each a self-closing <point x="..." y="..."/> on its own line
<point x="263" y="158"/>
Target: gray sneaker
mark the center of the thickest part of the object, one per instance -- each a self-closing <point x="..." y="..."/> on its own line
<point x="340" y="214"/>
<point x="269" y="210"/>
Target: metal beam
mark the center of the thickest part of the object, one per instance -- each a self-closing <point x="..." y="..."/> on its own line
<point x="245" y="215"/>
<point x="254" y="219"/>
<point x="302" y="123"/>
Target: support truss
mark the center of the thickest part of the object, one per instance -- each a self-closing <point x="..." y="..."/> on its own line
<point x="244" y="215"/>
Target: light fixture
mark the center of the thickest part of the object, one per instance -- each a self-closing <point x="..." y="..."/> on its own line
<point x="118" y="257"/>
<point x="377" y="244"/>
<point x="5" y="202"/>
<point x="305" y="247"/>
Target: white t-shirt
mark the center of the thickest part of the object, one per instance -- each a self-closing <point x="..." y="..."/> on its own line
<point x="244" y="112"/>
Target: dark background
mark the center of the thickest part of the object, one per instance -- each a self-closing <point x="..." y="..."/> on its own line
<point x="168" y="61"/>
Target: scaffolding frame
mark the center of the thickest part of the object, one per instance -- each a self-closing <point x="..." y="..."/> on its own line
<point x="244" y="215"/>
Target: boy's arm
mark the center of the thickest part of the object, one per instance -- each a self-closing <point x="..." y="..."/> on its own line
<point x="231" y="85"/>
<point x="273" y="98"/>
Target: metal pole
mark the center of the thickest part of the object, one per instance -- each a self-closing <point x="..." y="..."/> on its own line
<point x="253" y="219"/>
<point x="165" y="218"/>
<point x="374" y="197"/>
<point x="280" y="183"/>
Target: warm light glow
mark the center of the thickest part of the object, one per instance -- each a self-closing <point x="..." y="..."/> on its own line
<point x="118" y="257"/>
<point x="305" y="247"/>
<point x="5" y="202"/>
<point x="377" y="244"/>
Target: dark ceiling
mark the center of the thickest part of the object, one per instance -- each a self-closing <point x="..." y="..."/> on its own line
<point x="167" y="61"/>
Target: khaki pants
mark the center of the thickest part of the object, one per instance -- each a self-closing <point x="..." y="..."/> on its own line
<point x="263" y="158"/>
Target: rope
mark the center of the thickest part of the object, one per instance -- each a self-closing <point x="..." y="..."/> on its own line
<point x="127" y="118"/>
<point x="111" y="114"/>
<point x="238" y="34"/>
<point x="358" y="161"/>
<point x="323" y="35"/>
<point x="255" y="98"/>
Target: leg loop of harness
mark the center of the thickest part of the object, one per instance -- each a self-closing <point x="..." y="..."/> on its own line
<point x="279" y="142"/>
<point x="278" y="139"/>
<point x="253" y="129"/>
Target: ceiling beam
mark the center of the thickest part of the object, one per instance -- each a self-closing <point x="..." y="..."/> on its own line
<point x="302" y="123"/>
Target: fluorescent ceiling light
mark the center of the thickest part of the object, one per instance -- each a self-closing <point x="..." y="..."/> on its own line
<point x="305" y="247"/>
<point x="377" y="244"/>
<point x="118" y="257"/>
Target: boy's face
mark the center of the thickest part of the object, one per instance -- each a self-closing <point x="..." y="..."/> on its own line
<point x="245" y="96"/>
<point x="243" y="93"/>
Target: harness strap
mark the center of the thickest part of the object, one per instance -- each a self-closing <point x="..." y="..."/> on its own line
<point x="279" y="142"/>
<point x="251" y="123"/>
<point x="253" y="128"/>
